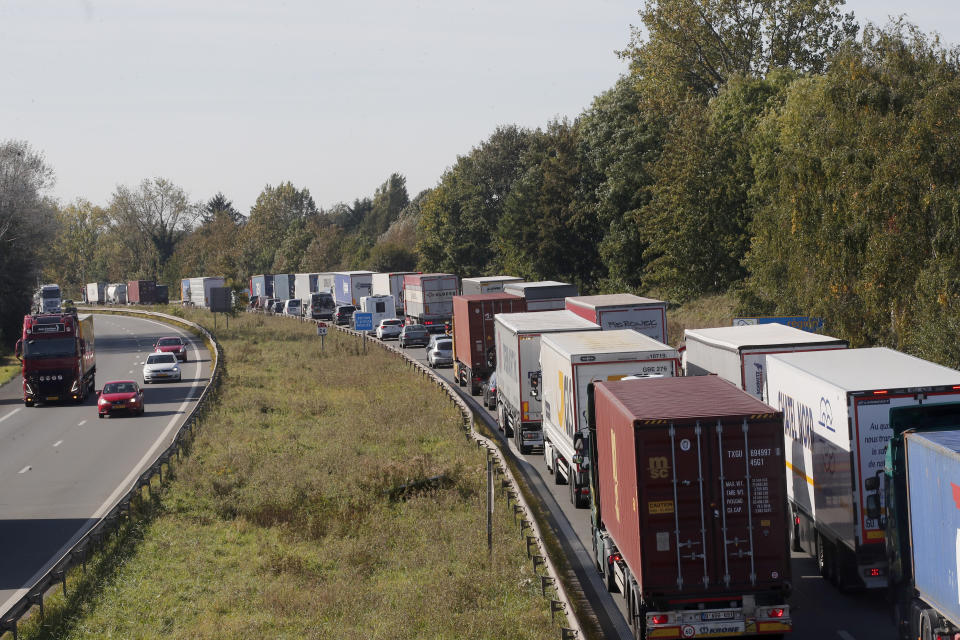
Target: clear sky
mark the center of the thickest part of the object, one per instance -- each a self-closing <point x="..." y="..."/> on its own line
<point x="332" y="96"/>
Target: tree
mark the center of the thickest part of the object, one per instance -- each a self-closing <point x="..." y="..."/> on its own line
<point x="275" y="210"/>
<point x="219" y="204"/>
<point x="73" y="258"/>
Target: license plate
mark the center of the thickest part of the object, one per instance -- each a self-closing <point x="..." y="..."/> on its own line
<point x="119" y="406"/>
<point x="160" y="375"/>
<point x="718" y="615"/>
<point x="53" y="397"/>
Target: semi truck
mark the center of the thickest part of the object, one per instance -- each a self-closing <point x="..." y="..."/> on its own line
<point x="836" y="407"/>
<point x="350" y="286"/>
<point x="569" y="363"/>
<point x="474" y="347"/>
<point x="95" y="292"/>
<point x="486" y="284"/>
<point x="200" y="289"/>
<point x="142" y="292"/>
<point x="688" y="511"/>
<point x="47" y="299"/>
<point x="922" y="485"/>
<point x="283" y="286"/>
<point x="739" y="354"/>
<point x="117" y="293"/>
<point x="57" y="354"/>
<point x="545" y="295"/>
<point x="517" y="336"/>
<point x="261" y="286"/>
<point x="303" y="285"/>
<point x="391" y="284"/>
<point x="428" y="299"/>
<point x="623" y="311"/>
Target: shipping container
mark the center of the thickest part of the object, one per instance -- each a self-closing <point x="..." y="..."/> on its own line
<point x="739" y="354"/>
<point x="546" y="295"/>
<point x="391" y="284"/>
<point x="517" y="337"/>
<point x="623" y="311"/>
<point x="474" y="347"/>
<point x="142" y="292"/>
<point x="486" y="284"/>
<point x="428" y="299"/>
<point x="200" y="290"/>
<point x="95" y="293"/>
<point x="836" y="407"/>
<point x="163" y="294"/>
<point x="261" y="286"/>
<point x="690" y="519"/>
<point x="350" y="286"/>
<point x="283" y="286"/>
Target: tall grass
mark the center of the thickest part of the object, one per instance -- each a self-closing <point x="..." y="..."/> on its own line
<point x="285" y="520"/>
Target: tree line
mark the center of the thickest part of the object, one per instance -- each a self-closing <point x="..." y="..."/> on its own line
<point x="769" y="148"/>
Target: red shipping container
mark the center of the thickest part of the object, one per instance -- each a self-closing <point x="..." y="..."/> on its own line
<point x="474" y="349"/>
<point x="142" y="292"/>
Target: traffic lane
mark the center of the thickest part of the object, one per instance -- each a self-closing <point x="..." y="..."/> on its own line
<point x="63" y="468"/>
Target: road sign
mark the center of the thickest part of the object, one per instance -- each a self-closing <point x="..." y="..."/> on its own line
<point x="321" y="329"/>
<point x="363" y="321"/>
<point x="806" y="323"/>
<point x="220" y="299"/>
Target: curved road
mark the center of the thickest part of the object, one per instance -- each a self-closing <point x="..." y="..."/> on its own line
<point x="62" y="469"/>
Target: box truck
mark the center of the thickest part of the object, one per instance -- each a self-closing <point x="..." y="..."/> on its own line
<point x="200" y="290"/>
<point x="545" y="295"/>
<point x="142" y="292"/>
<point x="569" y="362"/>
<point x="486" y="284"/>
<point x="428" y="299"/>
<point x="739" y="354"/>
<point x="836" y="407"/>
<point x="474" y="347"/>
<point x="688" y="512"/>
<point x="391" y="284"/>
<point x="95" y="292"/>
<point x="517" y="338"/>
<point x="350" y="286"/>
<point x="623" y="311"/>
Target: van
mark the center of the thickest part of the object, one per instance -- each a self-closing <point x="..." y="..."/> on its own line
<point x="292" y="307"/>
<point x="321" y="306"/>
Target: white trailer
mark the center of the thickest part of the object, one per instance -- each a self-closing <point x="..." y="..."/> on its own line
<point x="623" y="311"/>
<point x="380" y="307"/>
<point x="200" y="289"/>
<point x="391" y="284"/>
<point x="738" y="354"/>
<point x="836" y="416"/>
<point x="95" y="292"/>
<point x="303" y="285"/>
<point x="486" y="284"/>
<point x="326" y="281"/>
<point x="117" y="293"/>
<point x="517" y="338"/>
<point x="569" y="362"/>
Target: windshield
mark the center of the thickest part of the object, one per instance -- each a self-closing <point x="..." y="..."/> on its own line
<point x="161" y="358"/>
<point x="392" y="323"/>
<point x="169" y="342"/>
<point x="119" y="387"/>
<point x="51" y="293"/>
<point x="52" y="348"/>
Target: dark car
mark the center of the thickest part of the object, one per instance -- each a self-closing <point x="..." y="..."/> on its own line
<point x="172" y="344"/>
<point x="343" y="314"/>
<point x="277" y="306"/>
<point x="490" y="392"/>
<point x="414" y="334"/>
<point x="120" y="396"/>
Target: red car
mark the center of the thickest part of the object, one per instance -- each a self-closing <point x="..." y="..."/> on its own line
<point x="120" y="395"/>
<point x="173" y="344"/>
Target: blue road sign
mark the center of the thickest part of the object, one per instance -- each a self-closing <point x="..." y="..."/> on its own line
<point x="363" y="321"/>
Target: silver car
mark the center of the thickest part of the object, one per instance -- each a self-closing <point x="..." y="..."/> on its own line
<point x="440" y="353"/>
<point x="161" y="366"/>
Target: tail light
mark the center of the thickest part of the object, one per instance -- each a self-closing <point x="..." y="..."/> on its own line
<point x="659" y="619"/>
<point x="775" y="613"/>
<point x="614" y="558"/>
<point x="796" y="519"/>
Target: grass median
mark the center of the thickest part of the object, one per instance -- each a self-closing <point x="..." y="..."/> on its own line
<point x="302" y="511"/>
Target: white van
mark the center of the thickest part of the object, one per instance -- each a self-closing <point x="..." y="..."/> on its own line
<point x="381" y="306"/>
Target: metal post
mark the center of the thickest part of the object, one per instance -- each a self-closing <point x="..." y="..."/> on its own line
<point x="489" y="504"/>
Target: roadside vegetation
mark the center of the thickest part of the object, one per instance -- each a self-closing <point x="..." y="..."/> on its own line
<point x="289" y="517"/>
<point x="9" y="368"/>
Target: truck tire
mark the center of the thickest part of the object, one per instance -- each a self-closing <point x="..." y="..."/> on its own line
<point x="474" y="389"/>
<point x="926" y="625"/>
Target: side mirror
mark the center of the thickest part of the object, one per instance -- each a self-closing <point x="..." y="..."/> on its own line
<point x="871" y="484"/>
<point x="873" y="506"/>
<point x="18" y="350"/>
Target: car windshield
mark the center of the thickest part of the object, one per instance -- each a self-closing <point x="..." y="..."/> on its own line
<point x="50" y="348"/>
<point x="119" y="387"/>
<point x="391" y="323"/>
<point x="161" y="358"/>
<point x="169" y="342"/>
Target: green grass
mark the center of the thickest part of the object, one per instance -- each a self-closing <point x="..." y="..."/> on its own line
<point x="709" y="311"/>
<point x="9" y="369"/>
<point x="280" y="523"/>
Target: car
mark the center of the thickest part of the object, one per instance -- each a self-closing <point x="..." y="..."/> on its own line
<point x="440" y="352"/>
<point x="343" y="313"/>
<point x="277" y="306"/>
<point x="160" y="366"/>
<point x="414" y="334"/>
<point x="437" y="328"/>
<point x="120" y="395"/>
<point x="389" y="328"/>
<point x="490" y="392"/>
<point x="292" y="307"/>
<point x="172" y="344"/>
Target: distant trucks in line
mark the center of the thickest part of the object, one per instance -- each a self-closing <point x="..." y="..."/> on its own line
<point x="391" y="284"/>
<point x="428" y="299"/>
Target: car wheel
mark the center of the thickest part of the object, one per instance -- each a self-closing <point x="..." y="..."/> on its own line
<point x="100" y="415"/>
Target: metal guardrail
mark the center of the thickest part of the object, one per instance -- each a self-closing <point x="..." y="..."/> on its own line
<point x="110" y="522"/>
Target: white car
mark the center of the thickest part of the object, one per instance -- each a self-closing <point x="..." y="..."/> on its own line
<point x="389" y="328"/>
<point x="440" y="352"/>
<point x="161" y="366"/>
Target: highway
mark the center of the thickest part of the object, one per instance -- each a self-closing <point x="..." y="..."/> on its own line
<point x="819" y="610"/>
<point x="61" y="468"/>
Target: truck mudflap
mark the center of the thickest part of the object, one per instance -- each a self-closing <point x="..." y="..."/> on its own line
<point x="714" y="623"/>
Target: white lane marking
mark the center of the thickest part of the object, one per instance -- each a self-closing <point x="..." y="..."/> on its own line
<point x="10" y="414"/>
<point x="58" y="443"/>
<point x="25" y="469"/>
<point x="81" y="423"/>
<point x="846" y="636"/>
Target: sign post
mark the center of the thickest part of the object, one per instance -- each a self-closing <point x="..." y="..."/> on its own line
<point x="321" y="331"/>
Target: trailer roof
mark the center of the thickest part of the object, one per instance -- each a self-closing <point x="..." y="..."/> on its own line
<point x="688" y="398"/>
<point x="758" y="336"/>
<point x="483" y="297"/>
<point x="351" y="273"/>
<point x="539" y="284"/>
<point x="613" y="300"/>
<point x="870" y="369"/>
<point x="617" y="341"/>
<point x="947" y="440"/>
<point x="539" y="321"/>
<point x="482" y="279"/>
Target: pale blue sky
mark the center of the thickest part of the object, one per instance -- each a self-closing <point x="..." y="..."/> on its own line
<point x="332" y="96"/>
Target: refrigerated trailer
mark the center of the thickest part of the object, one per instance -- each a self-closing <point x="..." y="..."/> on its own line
<point x="623" y="311"/>
<point x="836" y="407"/>
<point x="689" y="517"/>
<point x="545" y="295"/>
<point x="95" y="292"/>
<point x="200" y="289"/>
<point x="569" y="363"/>
<point x="261" y="286"/>
<point x="303" y="285"/>
<point x="391" y="284"/>
<point x="428" y="299"/>
<point x="486" y="284"/>
<point x="350" y="286"/>
<point x="283" y="286"/>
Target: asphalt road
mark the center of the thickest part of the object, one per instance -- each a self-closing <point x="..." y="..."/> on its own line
<point x="61" y="468"/>
<point x="820" y="612"/>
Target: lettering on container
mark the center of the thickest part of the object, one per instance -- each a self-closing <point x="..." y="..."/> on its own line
<point x="659" y="467"/>
<point x="797" y="420"/>
<point x="659" y="507"/>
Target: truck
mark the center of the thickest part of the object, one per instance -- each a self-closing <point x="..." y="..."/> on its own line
<point x="391" y="284"/>
<point x="380" y="307"/>
<point x="320" y="306"/>
<point x="428" y="299"/>
<point x="545" y="295"/>
<point x="303" y="285"/>
<point x="185" y="291"/>
<point x="739" y="354"/>
<point x="836" y="407"/>
<point x="47" y="299"/>
<point x="569" y="363"/>
<point x="350" y="286"/>
<point x="326" y="281"/>
<point x="485" y="284"/>
<point x="688" y="512"/>
<point x="95" y="292"/>
<point x="517" y="337"/>
<point x="163" y="294"/>
<point x="474" y="347"/>
<point x="141" y="292"/>
<point x="200" y="289"/>
<point x="623" y="311"/>
<point x="117" y="293"/>
<point x="283" y="286"/>
<point x="261" y="286"/>
<point x="57" y="354"/>
<point x="922" y="486"/>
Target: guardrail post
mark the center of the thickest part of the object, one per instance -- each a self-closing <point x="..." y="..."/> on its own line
<point x="556" y="607"/>
<point x="568" y="634"/>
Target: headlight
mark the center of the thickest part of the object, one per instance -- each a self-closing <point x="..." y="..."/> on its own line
<point x="176" y="369"/>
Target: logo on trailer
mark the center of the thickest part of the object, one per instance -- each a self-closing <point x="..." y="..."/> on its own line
<point x="659" y="467"/>
<point x="826" y="415"/>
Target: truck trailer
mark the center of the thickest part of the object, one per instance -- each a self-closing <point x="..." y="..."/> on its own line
<point x="474" y="346"/>
<point x="569" y="363"/>
<point x="57" y="354"/>
<point x="688" y="513"/>
<point x="283" y="286"/>
<point x="200" y="289"/>
<point x="836" y="407"/>
<point x="350" y="286"/>
<point x="428" y="299"/>
<point x="117" y="293"/>
<point x="486" y="284"/>
<point x="517" y="338"/>
<point x="95" y="292"/>
<point x="545" y="295"/>
<point x="303" y="285"/>
<point x="261" y="286"/>
<point x="623" y="311"/>
<point x="142" y="292"/>
<point x="391" y="284"/>
<point x="739" y="354"/>
<point x="163" y="294"/>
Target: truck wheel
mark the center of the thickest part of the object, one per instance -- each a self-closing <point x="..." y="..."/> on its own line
<point x="474" y="389"/>
<point x="926" y="625"/>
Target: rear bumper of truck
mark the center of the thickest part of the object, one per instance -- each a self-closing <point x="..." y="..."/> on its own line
<point x="714" y="623"/>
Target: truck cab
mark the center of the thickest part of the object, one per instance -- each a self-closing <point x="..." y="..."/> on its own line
<point x="56" y="352"/>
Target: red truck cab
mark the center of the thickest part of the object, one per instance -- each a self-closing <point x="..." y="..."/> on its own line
<point x="57" y="356"/>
